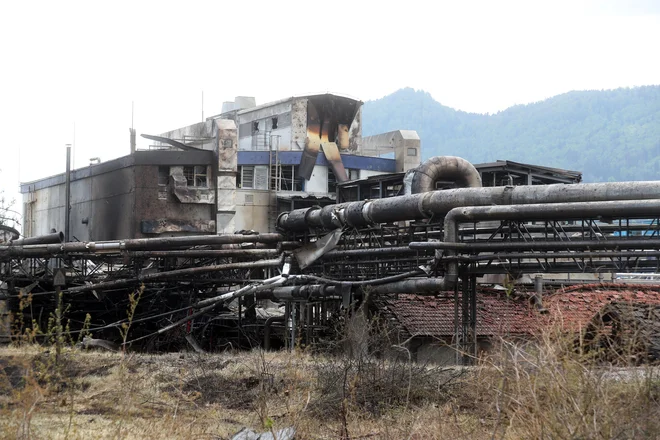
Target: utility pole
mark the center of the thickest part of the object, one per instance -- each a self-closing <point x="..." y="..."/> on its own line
<point x="67" y="194"/>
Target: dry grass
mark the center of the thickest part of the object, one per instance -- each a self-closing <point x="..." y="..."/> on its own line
<point x="548" y="391"/>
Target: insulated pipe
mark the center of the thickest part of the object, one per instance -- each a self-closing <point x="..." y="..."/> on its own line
<point x="439" y="203"/>
<point x="414" y="285"/>
<point x="444" y="168"/>
<point x="55" y="237"/>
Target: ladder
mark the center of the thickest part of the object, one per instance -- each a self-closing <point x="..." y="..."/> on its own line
<point x="275" y="182"/>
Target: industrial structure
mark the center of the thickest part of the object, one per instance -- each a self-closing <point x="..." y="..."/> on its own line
<point x="216" y="241"/>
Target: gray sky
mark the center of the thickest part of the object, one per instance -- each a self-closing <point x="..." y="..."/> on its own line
<point x="84" y="62"/>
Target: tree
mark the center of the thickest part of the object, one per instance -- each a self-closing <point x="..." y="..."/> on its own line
<point x="8" y="218"/>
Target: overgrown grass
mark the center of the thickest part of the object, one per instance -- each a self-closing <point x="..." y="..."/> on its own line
<point x="548" y="390"/>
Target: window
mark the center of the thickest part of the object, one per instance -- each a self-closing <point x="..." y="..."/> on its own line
<point x="353" y="174"/>
<point x="246" y="177"/>
<point x="254" y="176"/>
<point x="332" y="182"/>
<point x="196" y="176"/>
<point x="163" y="180"/>
<point x="412" y="152"/>
<point x="163" y="176"/>
<point x="286" y="178"/>
<point x="255" y="127"/>
<point x="273" y="123"/>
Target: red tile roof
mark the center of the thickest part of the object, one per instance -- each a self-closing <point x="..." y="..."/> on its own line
<point x="434" y="316"/>
<point x="575" y="306"/>
<point x="499" y="315"/>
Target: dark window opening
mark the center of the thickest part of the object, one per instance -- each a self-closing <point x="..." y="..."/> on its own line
<point x="163" y="176"/>
<point x="255" y="127"/>
<point x="332" y="182"/>
<point x="274" y="123"/>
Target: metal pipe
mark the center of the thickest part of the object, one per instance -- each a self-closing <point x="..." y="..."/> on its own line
<point x="175" y="273"/>
<point x="617" y="243"/>
<point x="303" y="292"/>
<point x="444" y="168"/>
<point x="439" y="203"/>
<point x="267" y="325"/>
<point x="205" y="253"/>
<point x="413" y="285"/>
<point x="139" y="244"/>
<point x="560" y="255"/>
<point x="545" y="211"/>
<point x="55" y="237"/>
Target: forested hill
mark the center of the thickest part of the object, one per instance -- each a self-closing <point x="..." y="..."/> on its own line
<point x="608" y="135"/>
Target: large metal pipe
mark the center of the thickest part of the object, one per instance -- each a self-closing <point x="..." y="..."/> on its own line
<point x="55" y="237"/>
<point x="139" y="244"/>
<point x="414" y="285"/>
<point x="445" y="169"/>
<point x="439" y="203"/>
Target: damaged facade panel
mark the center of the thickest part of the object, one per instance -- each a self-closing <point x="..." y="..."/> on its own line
<point x="111" y="200"/>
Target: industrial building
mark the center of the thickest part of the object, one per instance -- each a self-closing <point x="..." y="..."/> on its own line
<point x="235" y="171"/>
<point x="189" y="222"/>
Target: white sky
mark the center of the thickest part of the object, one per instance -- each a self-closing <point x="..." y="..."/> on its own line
<point x="64" y="62"/>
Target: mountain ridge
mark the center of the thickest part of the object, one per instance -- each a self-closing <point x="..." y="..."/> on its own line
<point x="609" y="135"/>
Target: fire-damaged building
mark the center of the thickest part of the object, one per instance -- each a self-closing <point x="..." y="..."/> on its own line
<point x="267" y="225"/>
<point x="235" y="171"/>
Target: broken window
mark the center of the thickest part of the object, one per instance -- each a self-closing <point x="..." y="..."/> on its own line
<point x="353" y="174"/>
<point x="200" y="176"/>
<point x="255" y="127"/>
<point x="332" y="182"/>
<point x="163" y="176"/>
<point x="163" y="180"/>
<point x="273" y="123"/>
<point x="196" y="176"/>
<point x="286" y="178"/>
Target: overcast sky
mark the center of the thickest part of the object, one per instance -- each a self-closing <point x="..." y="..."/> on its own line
<point x="85" y="62"/>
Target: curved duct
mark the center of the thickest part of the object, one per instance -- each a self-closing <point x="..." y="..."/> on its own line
<point x="443" y="169"/>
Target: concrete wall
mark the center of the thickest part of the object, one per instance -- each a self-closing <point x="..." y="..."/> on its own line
<point x="318" y="183"/>
<point x="252" y="210"/>
<point x="200" y="135"/>
<point x="160" y="212"/>
<point x="400" y="142"/>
